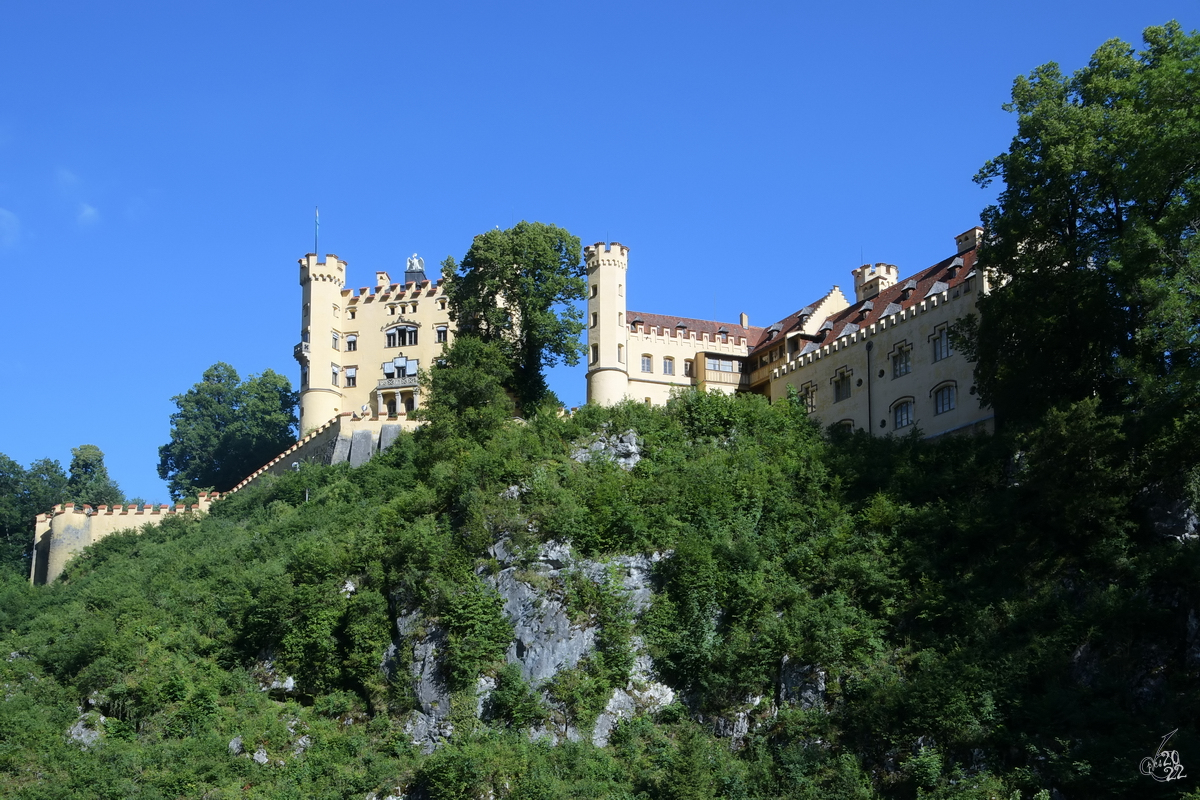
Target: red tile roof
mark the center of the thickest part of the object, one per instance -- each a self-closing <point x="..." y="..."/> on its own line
<point x="700" y="326"/>
<point x="835" y="324"/>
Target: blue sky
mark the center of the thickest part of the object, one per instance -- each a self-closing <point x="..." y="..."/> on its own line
<point x="159" y="165"/>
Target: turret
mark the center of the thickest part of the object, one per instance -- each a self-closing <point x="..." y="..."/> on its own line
<point x="608" y="347"/>
<point x="871" y="279"/>
<point x="320" y="334"/>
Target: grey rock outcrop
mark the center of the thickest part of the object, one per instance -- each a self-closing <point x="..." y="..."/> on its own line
<point x="87" y="730"/>
<point x="800" y="684"/>
<point x="623" y="449"/>
<point x="641" y="695"/>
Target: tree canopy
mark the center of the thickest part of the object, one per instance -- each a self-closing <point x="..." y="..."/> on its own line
<point x="516" y="288"/>
<point x="225" y="429"/>
<point x="89" y="481"/>
<point x="1092" y="245"/>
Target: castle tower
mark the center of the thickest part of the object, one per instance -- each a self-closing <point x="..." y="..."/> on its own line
<point x="871" y="279"/>
<point x="320" y="318"/>
<point x="608" y="346"/>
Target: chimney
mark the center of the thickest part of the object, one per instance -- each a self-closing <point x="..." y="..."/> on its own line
<point x="382" y="279"/>
<point x="745" y="320"/>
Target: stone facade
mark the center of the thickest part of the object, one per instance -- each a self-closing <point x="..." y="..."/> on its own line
<point x="360" y="350"/>
<point x="883" y="363"/>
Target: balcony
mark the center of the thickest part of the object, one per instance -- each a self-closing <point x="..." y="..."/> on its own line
<point x="397" y="383"/>
<point x="300" y="352"/>
<point x="739" y="379"/>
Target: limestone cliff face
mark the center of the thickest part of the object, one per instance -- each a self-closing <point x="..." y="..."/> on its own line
<point x="545" y="642"/>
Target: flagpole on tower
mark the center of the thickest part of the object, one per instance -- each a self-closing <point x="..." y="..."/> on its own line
<point x="316" y="230"/>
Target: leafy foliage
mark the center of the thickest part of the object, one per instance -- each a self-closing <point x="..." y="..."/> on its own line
<point x="225" y="428"/>
<point x="515" y="289"/>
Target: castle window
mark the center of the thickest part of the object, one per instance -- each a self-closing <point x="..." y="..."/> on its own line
<point x="304" y="336"/>
<point x="303" y="377"/>
<point x="944" y="399"/>
<point x="941" y="344"/>
<point x="391" y="311"/>
<point x="687" y="368"/>
<point x="401" y="337"/>
<point x="595" y="353"/>
<point x="668" y="366"/>
<point x="620" y="354"/>
<point x="304" y="311"/>
<point x="336" y="370"/>
<point x="351" y="343"/>
<point x="620" y="290"/>
<point x="336" y="341"/>
<point x="647" y="363"/>
<point x="808" y="396"/>
<point x="441" y="305"/>
<point x="719" y="364"/>
<point x="901" y="360"/>
<point x="841" y="387"/>
<point x="350" y="313"/>
<point x="442" y="334"/>
<point x="595" y="318"/>
<point x="337" y="311"/>
<point x="351" y="377"/>
<point x="595" y="289"/>
<point x="902" y="413"/>
<point x="620" y="317"/>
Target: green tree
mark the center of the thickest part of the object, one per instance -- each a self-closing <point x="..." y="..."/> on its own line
<point x="225" y="429"/>
<point x="25" y="493"/>
<point x="89" y="481"/>
<point x="1091" y="246"/>
<point x="516" y="288"/>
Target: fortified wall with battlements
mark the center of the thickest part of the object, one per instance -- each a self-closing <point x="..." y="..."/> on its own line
<point x="67" y="529"/>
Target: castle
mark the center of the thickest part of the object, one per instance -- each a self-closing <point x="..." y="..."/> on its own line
<point x="884" y="363"/>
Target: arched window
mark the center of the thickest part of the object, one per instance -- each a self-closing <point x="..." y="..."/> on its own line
<point x="443" y="334"/>
<point x="945" y="397"/>
<point x="668" y="366"/>
<point x="620" y="354"/>
<point x="351" y="342"/>
<point x="902" y="413"/>
<point x="647" y="362"/>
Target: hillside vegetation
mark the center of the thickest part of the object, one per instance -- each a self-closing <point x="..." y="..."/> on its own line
<point x="988" y="625"/>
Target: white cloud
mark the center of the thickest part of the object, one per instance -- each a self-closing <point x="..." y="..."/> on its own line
<point x="88" y="215"/>
<point x="66" y="178"/>
<point x="10" y="228"/>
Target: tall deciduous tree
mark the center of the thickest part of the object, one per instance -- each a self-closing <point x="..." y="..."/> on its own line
<point x="88" y="481"/>
<point x="1092" y="245"/>
<point x="25" y="493"/>
<point x="225" y="429"/>
<point x="516" y="288"/>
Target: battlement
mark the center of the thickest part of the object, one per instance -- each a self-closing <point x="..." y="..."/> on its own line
<point x="613" y="253"/>
<point x="871" y="279"/>
<point x="332" y="269"/>
<point x="65" y="530"/>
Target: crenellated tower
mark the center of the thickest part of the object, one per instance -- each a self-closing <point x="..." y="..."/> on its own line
<point x="322" y="283"/>
<point x="608" y="345"/>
